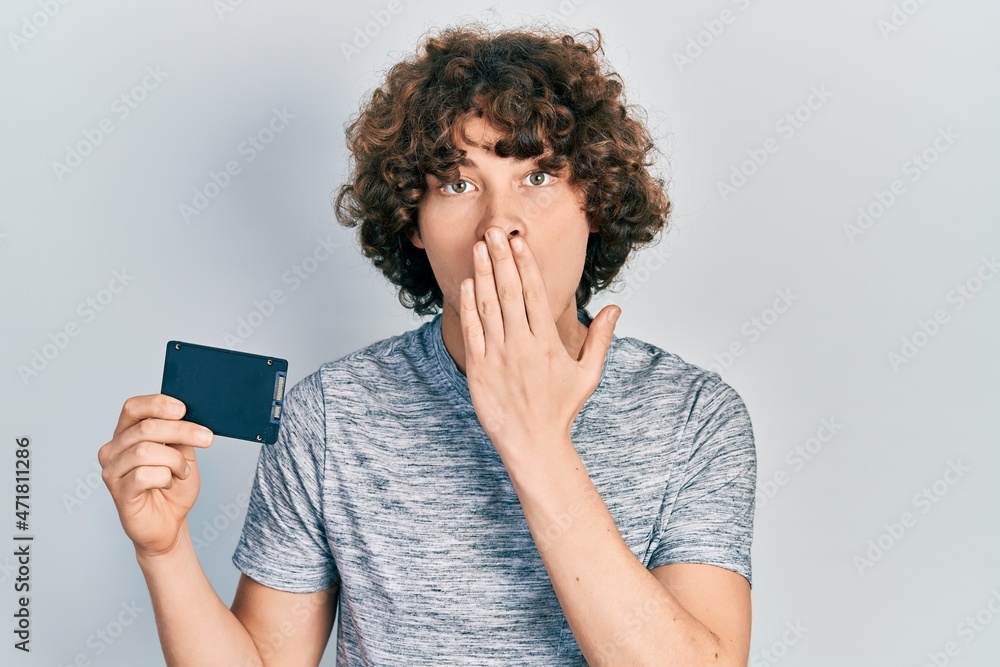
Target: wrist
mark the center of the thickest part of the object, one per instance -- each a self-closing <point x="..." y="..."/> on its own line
<point x="148" y="558"/>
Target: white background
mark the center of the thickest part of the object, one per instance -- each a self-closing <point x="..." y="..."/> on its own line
<point x="891" y="88"/>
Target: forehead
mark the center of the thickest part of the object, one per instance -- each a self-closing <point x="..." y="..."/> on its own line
<point x="473" y="132"/>
<point x="480" y="138"/>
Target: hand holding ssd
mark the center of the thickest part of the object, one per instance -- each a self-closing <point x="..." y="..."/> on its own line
<point x="234" y="394"/>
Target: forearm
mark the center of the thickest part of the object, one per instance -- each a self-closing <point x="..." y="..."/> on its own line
<point x="195" y="627"/>
<point x="618" y="611"/>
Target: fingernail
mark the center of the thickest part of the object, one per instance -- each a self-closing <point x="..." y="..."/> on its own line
<point x="613" y="316"/>
<point x="187" y="470"/>
<point x="517" y="244"/>
<point x="205" y="436"/>
<point x="481" y="250"/>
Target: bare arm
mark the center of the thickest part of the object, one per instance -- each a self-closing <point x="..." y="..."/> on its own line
<point x="265" y="628"/>
<point x="151" y="469"/>
<point x="620" y="613"/>
<point x="288" y="628"/>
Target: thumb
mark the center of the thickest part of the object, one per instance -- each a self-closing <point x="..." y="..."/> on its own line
<point x="595" y="347"/>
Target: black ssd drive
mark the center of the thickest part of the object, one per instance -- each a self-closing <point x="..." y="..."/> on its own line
<point x="234" y="394"/>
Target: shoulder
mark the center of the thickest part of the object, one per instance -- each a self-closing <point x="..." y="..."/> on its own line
<point x="375" y="368"/>
<point x="661" y="374"/>
<point x="683" y="401"/>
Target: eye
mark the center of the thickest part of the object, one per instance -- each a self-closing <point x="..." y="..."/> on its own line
<point x="533" y="174"/>
<point x="461" y="187"/>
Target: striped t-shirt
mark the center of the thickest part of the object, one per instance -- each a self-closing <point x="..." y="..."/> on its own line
<point x="383" y="479"/>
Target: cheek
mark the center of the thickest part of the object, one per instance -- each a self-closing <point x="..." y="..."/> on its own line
<point x="452" y="263"/>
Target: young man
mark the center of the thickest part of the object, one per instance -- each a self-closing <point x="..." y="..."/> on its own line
<point x="510" y="483"/>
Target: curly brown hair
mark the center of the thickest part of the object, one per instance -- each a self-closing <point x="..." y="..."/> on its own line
<point x="547" y="95"/>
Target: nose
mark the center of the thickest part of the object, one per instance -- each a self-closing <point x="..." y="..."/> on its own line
<point x="505" y="211"/>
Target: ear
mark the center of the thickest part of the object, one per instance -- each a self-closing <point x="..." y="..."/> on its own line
<point x="416" y="240"/>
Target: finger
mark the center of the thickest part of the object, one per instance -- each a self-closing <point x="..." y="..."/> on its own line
<point x="147" y="453"/>
<point x="472" y="326"/>
<point x="142" y="479"/>
<point x="166" y="431"/>
<point x="508" y="285"/>
<point x="486" y="297"/>
<point x="138" y="408"/>
<point x="536" y="297"/>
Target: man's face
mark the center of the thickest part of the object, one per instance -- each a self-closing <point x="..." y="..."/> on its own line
<point x="541" y="207"/>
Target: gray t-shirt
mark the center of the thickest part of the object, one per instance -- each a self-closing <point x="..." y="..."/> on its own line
<point x="383" y="479"/>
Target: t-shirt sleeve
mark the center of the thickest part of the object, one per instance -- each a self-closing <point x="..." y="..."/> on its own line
<point x="284" y="544"/>
<point x="711" y="518"/>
